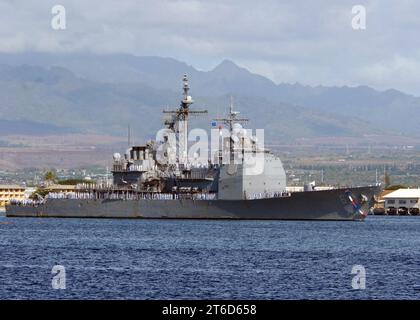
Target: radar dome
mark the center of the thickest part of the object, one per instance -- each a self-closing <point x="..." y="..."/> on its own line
<point x="237" y="128"/>
<point x="116" y="156"/>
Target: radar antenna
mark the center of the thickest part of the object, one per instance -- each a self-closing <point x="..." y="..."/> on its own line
<point x="231" y="118"/>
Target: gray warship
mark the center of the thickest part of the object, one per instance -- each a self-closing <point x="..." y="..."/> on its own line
<point x="240" y="180"/>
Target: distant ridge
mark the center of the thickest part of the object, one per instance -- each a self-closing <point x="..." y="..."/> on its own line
<point x="25" y="127"/>
<point x="102" y="93"/>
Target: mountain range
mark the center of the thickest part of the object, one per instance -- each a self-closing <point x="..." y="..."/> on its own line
<point x="104" y="93"/>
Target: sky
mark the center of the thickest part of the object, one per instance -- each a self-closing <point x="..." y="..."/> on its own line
<point x="311" y="42"/>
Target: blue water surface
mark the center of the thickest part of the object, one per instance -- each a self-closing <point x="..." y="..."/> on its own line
<point x="203" y="259"/>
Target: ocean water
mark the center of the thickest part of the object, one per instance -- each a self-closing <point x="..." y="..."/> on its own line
<point x="185" y="259"/>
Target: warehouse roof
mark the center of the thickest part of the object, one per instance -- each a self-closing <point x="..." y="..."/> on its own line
<point x="11" y="186"/>
<point x="61" y="187"/>
<point x="404" y="193"/>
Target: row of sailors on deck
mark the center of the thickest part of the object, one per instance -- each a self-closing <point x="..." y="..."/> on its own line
<point x="151" y="196"/>
<point x="25" y="202"/>
<point x="165" y="196"/>
<point x="265" y="195"/>
<point x="61" y="195"/>
<point x="131" y="196"/>
<point x="115" y="196"/>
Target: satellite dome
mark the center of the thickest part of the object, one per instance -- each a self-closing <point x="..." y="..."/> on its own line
<point x="237" y="128"/>
<point x="116" y="156"/>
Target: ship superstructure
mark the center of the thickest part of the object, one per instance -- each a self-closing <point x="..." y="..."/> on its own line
<point x="240" y="168"/>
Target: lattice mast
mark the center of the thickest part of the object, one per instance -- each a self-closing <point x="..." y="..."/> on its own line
<point x="179" y="121"/>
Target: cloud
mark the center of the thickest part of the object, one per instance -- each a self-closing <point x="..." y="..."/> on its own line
<point x="306" y="41"/>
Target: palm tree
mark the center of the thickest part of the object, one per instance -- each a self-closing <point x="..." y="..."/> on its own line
<point x="50" y="176"/>
<point x="387" y="179"/>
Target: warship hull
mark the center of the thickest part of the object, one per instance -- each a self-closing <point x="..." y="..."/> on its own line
<point x="312" y="205"/>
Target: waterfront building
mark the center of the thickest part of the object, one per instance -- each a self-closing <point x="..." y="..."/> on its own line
<point x="8" y="192"/>
<point x="402" y="201"/>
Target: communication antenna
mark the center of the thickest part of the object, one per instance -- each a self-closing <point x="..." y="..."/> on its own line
<point x="231" y="104"/>
<point x="129" y="135"/>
